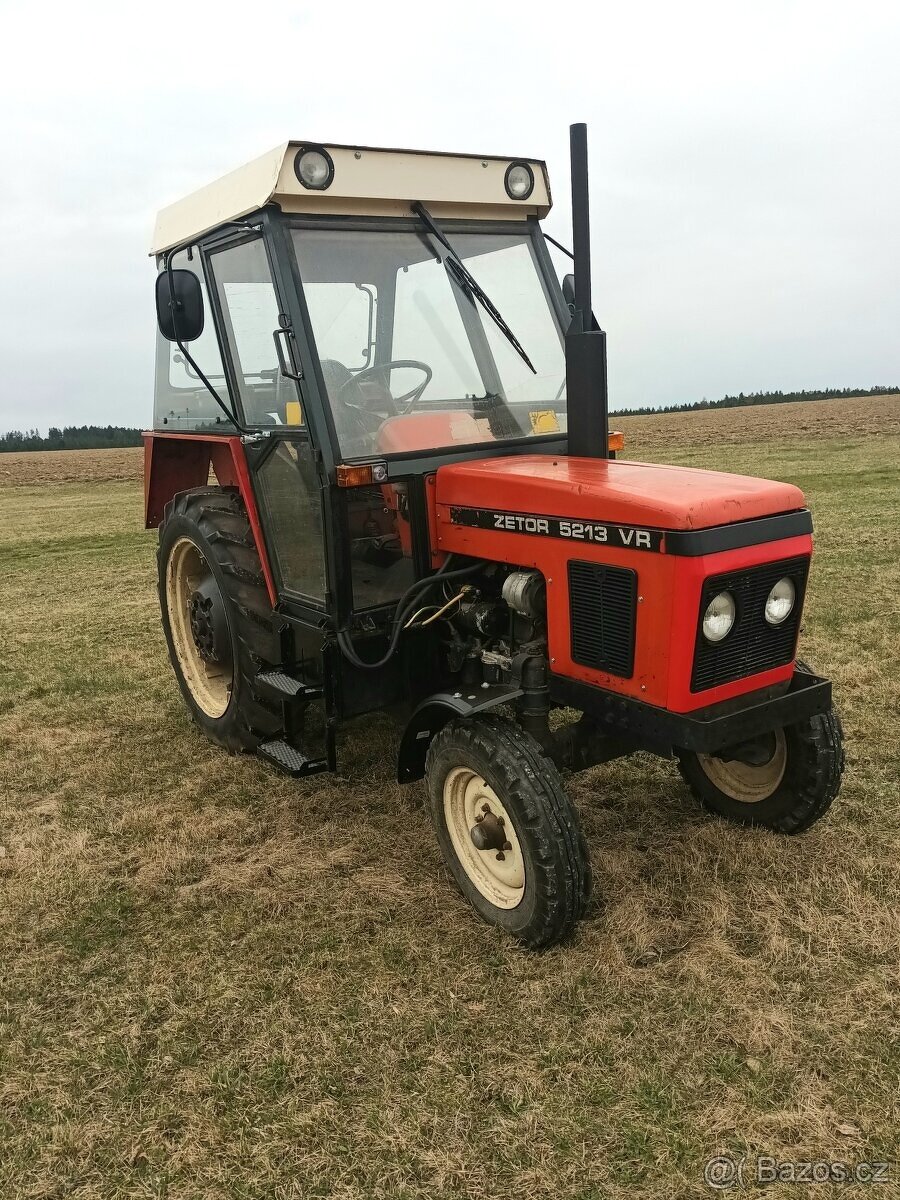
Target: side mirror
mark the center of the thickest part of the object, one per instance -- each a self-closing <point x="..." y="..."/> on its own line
<point x="179" y="308"/>
<point x="568" y="290"/>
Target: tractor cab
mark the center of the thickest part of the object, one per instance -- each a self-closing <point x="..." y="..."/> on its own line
<point x="383" y="478"/>
<point x="367" y="315"/>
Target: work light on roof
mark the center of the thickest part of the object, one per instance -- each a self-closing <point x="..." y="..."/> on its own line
<point x="314" y="167"/>
<point x="519" y="181"/>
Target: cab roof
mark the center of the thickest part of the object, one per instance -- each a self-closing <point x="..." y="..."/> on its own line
<point x="367" y="181"/>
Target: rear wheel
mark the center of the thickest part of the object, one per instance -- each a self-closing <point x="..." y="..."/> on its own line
<point x="791" y="782"/>
<point x="219" y="626"/>
<point x="507" y="829"/>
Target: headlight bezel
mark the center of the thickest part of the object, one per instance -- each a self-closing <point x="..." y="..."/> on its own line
<point x="731" y="608"/>
<point x="791" y="586"/>
<point x="518" y="165"/>
<point x="308" y="149"/>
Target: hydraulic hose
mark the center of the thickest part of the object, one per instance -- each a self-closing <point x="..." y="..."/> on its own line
<point x="404" y="608"/>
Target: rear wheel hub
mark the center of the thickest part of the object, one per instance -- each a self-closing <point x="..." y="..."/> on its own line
<point x="209" y="626"/>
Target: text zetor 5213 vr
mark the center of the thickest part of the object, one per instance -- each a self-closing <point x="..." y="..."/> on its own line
<point x="418" y="506"/>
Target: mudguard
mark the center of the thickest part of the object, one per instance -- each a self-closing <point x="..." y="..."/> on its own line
<point x="176" y="462"/>
<point x="433" y="714"/>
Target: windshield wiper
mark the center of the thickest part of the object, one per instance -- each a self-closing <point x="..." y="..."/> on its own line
<point x="470" y="284"/>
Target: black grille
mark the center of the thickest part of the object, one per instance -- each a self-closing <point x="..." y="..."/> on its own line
<point x="601" y="608"/>
<point x="753" y="645"/>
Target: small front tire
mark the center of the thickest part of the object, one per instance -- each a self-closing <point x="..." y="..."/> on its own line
<point x="789" y="791"/>
<point x="507" y="829"/>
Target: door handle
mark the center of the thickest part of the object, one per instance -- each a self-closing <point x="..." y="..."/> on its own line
<point x="283" y="350"/>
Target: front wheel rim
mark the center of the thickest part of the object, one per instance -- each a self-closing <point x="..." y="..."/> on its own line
<point x="209" y="682"/>
<point x="499" y="872"/>
<point x="743" y="782"/>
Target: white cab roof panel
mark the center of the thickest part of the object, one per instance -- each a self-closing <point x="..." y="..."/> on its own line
<point x="367" y="182"/>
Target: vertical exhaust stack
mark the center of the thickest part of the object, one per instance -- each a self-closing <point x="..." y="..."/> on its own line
<point x="586" y="389"/>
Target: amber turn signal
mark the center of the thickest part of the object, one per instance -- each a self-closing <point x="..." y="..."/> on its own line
<point x="360" y="474"/>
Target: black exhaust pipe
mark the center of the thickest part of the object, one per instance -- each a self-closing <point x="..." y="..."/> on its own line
<point x="586" y="388"/>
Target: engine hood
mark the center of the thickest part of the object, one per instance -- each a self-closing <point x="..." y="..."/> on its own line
<point x="633" y="493"/>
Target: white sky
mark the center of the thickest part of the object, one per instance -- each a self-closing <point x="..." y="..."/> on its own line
<point x="745" y="169"/>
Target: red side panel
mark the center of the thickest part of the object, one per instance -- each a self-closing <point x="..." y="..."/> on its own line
<point x="668" y="585"/>
<point x="176" y="462"/>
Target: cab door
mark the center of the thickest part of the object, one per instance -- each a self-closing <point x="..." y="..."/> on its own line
<point x="266" y="384"/>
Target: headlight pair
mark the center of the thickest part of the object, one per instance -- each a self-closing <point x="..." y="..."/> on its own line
<point x="719" y="618"/>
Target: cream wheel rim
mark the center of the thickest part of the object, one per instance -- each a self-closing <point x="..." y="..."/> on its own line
<point x="209" y="683"/>
<point x="499" y="871"/>
<point x="744" y="782"/>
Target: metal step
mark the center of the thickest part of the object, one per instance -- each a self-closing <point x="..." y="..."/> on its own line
<point x="291" y="761"/>
<point x="282" y="686"/>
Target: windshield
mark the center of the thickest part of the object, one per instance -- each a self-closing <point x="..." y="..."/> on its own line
<point x="410" y="359"/>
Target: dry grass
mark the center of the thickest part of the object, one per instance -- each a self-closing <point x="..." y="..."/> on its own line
<point x="219" y="983"/>
<point x="70" y="466"/>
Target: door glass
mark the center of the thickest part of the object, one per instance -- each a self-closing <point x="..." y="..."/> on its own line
<point x="250" y="313"/>
<point x="381" y="564"/>
<point x="292" y="500"/>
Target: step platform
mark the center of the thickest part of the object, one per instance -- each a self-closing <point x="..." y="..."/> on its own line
<point x="290" y="760"/>
<point x="281" y="686"/>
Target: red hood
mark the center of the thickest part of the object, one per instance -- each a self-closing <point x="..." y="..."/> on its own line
<point x="627" y="492"/>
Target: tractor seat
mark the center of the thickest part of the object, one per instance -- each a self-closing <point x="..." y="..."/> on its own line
<point x="355" y="424"/>
<point x="430" y="431"/>
<point x="339" y="383"/>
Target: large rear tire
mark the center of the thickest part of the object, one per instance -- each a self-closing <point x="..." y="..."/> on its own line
<point x="788" y="792"/>
<point x="218" y="622"/>
<point x="507" y="829"/>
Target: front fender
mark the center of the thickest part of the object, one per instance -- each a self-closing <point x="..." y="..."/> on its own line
<point x="433" y="714"/>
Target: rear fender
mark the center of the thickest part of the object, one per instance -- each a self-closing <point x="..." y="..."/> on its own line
<point x="177" y="462"/>
<point x="434" y="713"/>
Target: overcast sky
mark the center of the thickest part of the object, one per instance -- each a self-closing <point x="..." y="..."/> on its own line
<point x="745" y="170"/>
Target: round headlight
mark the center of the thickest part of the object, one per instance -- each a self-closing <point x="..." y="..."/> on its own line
<point x="519" y="181"/>
<point x="314" y="168"/>
<point x="719" y="617"/>
<point x="780" y="601"/>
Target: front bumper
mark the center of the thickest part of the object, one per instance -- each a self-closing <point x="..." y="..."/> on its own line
<point x="703" y="730"/>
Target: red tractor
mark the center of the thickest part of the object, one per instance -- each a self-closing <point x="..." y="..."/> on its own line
<point x="418" y="506"/>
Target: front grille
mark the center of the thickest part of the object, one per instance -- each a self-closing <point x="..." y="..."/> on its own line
<point x="602" y="603"/>
<point x="753" y="645"/>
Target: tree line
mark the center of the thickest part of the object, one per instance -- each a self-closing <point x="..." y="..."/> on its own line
<point x="96" y="437"/>
<point x="742" y="400"/>
<point x="72" y="437"/>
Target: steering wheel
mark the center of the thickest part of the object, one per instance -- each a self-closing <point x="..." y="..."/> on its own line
<point x="382" y="372"/>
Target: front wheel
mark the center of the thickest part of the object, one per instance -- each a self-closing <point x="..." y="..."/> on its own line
<point x="790" y="786"/>
<point x="507" y="829"/>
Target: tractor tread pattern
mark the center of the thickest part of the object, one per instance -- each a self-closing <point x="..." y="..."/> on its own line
<point x="221" y="518"/>
<point x="544" y="815"/>
<point x="817" y="746"/>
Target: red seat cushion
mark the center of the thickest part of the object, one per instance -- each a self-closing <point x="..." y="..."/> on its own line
<point x="431" y="430"/>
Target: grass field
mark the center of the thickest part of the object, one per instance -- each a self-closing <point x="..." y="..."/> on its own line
<point x="220" y="983"/>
